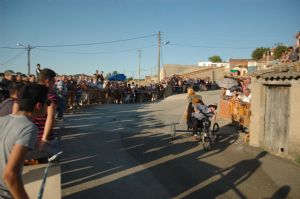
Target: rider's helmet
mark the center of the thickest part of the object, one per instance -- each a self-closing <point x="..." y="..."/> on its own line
<point x="215" y="105"/>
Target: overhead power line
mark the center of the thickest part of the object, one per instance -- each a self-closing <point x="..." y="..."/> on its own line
<point x="203" y="46"/>
<point x="83" y="44"/>
<point x="14" y="57"/>
<point x="6" y="47"/>
<point x="93" y="53"/>
<point x="95" y="43"/>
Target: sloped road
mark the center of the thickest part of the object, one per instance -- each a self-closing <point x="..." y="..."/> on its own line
<point x="125" y="151"/>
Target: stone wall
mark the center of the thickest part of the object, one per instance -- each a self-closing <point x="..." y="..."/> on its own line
<point x="257" y="125"/>
<point x="213" y="73"/>
<point x="294" y="127"/>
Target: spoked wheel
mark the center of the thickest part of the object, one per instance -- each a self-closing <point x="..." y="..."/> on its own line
<point x="206" y="141"/>
<point x="216" y="131"/>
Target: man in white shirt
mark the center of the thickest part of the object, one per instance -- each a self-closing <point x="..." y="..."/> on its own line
<point x="246" y="97"/>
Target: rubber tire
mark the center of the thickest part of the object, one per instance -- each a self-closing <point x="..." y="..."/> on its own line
<point x="206" y="141"/>
<point x="216" y="131"/>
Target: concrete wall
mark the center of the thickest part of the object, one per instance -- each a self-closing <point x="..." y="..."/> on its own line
<point x="258" y="104"/>
<point x="211" y="73"/>
<point x="257" y="124"/>
<point x="294" y="127"/>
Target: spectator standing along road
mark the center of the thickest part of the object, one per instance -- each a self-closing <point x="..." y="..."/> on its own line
<point x="45" y="122"/>
<point x="17" y="137"/>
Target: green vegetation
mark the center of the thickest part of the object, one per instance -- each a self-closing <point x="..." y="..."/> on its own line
<point x="258" y="53"/>
<point x="215" y="58"/>
<point x="279" y="50"/>
<point x="108" y="75"/>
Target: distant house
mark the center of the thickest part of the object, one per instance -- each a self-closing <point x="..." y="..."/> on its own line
<point x="215" y="64"/>
<point x="238" y="63"/>
<point x="275" y="110"/>
<point x="243" y="65"/>
<point x="267" y="60"/>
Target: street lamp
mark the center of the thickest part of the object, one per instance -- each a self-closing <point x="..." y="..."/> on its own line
<point x="28" y="48"/>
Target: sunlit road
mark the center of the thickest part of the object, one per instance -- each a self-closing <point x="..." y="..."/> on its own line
<point x="125" y="151"/>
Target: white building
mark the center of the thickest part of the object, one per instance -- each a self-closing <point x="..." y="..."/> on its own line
<point x="217" y="64"/>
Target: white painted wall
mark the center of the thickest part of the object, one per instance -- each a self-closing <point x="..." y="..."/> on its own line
<point x="209" y="63"/>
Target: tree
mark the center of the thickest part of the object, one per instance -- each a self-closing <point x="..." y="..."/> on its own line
<point x="115" y="72"/>
<point x="215" y="58"/>
<point x="108" y="75"/>
<point x="279" y="50"/>
<point x="258" y="53"/>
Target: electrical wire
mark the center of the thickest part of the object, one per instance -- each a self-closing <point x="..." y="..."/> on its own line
<point x="83" y="44"/>
<point x="6" y="47"/>
<point x="202" y="46"/>
<point x="101" y="52"/>
<point x="14" y="57"/>
<point x="95" y="43"/>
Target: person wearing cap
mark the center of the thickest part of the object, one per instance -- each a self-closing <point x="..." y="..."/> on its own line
<point x="213" y="109"/>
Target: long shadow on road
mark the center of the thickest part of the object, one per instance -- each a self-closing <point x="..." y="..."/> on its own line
<point x="129" y="154"/>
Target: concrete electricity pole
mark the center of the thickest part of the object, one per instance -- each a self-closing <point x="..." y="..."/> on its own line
<point x="28" y="48"/>
<point x="158" y="57"/>
<point x="140" y="54"/>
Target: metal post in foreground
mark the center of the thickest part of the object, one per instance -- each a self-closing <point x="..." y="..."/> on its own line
<point x="50" y="160"/>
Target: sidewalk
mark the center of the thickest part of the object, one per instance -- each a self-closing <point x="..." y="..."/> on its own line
<point x="285" y="173"/>
<point x="32" y="178"/>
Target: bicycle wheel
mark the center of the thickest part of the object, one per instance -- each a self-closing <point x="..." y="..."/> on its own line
<point x="216" y="131"/>
<point x="206" y="141"/>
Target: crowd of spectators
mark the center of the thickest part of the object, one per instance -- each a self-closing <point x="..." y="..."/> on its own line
<point x="292" y="54"/>
<point x="239" y="91"/>
<point x="236" y="101"/>
<point x="74" y="92"/>
<point x="180" y="85"/>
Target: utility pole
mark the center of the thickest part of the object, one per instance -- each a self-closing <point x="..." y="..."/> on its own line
<point x="140" y="54"/>
<point x="28" y="48"/>
<point x="158" y="57"/>
<point x="28" y="59"/>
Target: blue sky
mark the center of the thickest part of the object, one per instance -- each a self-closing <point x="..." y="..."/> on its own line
<point x="196" y="30"/>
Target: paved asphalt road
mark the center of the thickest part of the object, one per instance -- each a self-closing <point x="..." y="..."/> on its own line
<point x="125" y="151"/>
